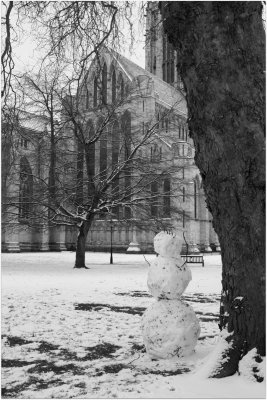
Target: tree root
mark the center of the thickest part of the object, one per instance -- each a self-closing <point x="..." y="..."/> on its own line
<point x="229" y="358"/>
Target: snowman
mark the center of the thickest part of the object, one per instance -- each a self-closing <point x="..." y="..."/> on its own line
<point x="169" y="325"/>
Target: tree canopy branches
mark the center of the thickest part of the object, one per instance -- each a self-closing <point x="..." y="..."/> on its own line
<point x="7" y="63"/>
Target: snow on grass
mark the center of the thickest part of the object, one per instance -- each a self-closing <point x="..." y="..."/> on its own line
<point x="70" y="333"/>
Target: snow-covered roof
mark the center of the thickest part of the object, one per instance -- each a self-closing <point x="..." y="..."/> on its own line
<point x="33" y="122"/>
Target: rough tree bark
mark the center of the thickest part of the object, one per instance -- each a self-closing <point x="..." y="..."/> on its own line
<point x="81" y="241"/>
<point x="221" y="60"/>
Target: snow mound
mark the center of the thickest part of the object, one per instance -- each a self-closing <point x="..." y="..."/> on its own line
<point x="252" y="366"/>
<point x="168" y="245"/>
<point x="167" y="279"/>
<point x="215" y="359"/>
<point x="170" y="328"/>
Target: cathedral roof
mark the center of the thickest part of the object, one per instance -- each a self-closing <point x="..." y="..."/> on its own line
<point x="164" y="92"/>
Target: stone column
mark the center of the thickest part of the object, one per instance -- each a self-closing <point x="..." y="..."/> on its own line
<point x="191" y="223"/>
<point x="10" y="243"/>
<point x="44" y="238"/>
<point x="134" y="245"/>
<point x="10" y="222"/>
<point x="192" y="247"/>
<point x="58" y="238"/>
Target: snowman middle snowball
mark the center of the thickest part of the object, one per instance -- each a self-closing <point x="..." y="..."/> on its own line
<point x="167" y="279"/>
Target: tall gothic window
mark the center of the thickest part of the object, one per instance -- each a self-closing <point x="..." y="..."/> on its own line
<point x="154" y="199"/>
<point x="90" y="158"/>
<point x="126" y="137"/>
<point x="164" y="55"/>
<point x="167" y="198"/>
<point x="115" y="144"/>
<point x="114" y="86"/>
<point x="154" y="65"/>
<point x="153" y="38"/>
<point x="168" y="62"/>
<point x="25" y="189"/>
<point x="121" y="87"/>
<point x="156" y="153"/>
<point x="195" y="199"/>
<point x="95" y="92"/>
<point x="87" y="99"/>
<point x="103" y="155"/>
<point x="166" y="124"/>
<point x="115" y="160"/>
<point x="79" y="174"/>
<point x="104" y="83"/>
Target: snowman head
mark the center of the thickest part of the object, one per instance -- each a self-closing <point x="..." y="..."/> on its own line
<point x="168" y="244"/>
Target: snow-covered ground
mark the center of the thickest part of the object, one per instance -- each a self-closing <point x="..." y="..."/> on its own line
<point x="71" y="333"/>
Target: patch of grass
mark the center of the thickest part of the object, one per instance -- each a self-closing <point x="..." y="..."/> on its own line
<point x="16" y="341"/>
<point x="114" y="368"/>
<point x="45" y="347"/>
<point x="200" y="298"/>
<point x="81" y="385"/>
<point x="33" y="383"/>
<point x="102" y="350"/>
<point x="178" y="371"/>
<point x="7" y="363"/>
<point x="44" y="366"/>
<point x="97" y="307"/>
<point x="139" y="347"/>
<point x="136" y="293"/>
<point x="209" y="319"/>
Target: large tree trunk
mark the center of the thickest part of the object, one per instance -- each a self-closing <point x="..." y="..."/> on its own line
<point x="80" y="248"/>
<point x="221" y="59"/>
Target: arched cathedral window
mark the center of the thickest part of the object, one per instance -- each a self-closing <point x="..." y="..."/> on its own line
<point x="114" y="86"/>
<point x="90" y="157"/>
<point x="156" y="153"/>
<point x="168" y="60"/>
<point x="121" y="86"/>
<point x="167" y="198"/>
<point x="126" y="137"/>
<point x="103" y="155"/>
<point x="115" y="144"/>
<point x="154" y="199"/>
<point x="104" y="83"/>
<point x="79" y="173"/>
<point x="195" y="199"/>
<point x="25" y="189"/>
<point x="87" y="99"/>
<point x="114" y="161"/>
<point x="95" y="92"/>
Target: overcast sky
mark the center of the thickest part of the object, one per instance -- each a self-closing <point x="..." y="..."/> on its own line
<point x="26" y="52"/>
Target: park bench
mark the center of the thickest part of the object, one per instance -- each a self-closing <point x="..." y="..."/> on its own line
<point x="194" y="258"/>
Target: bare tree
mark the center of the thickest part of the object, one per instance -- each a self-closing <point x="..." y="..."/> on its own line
<point x="7" y="63"/>
<point x="72" y="190"/>
<point x="221" y="59"/>
<point x="68" y="30"/>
